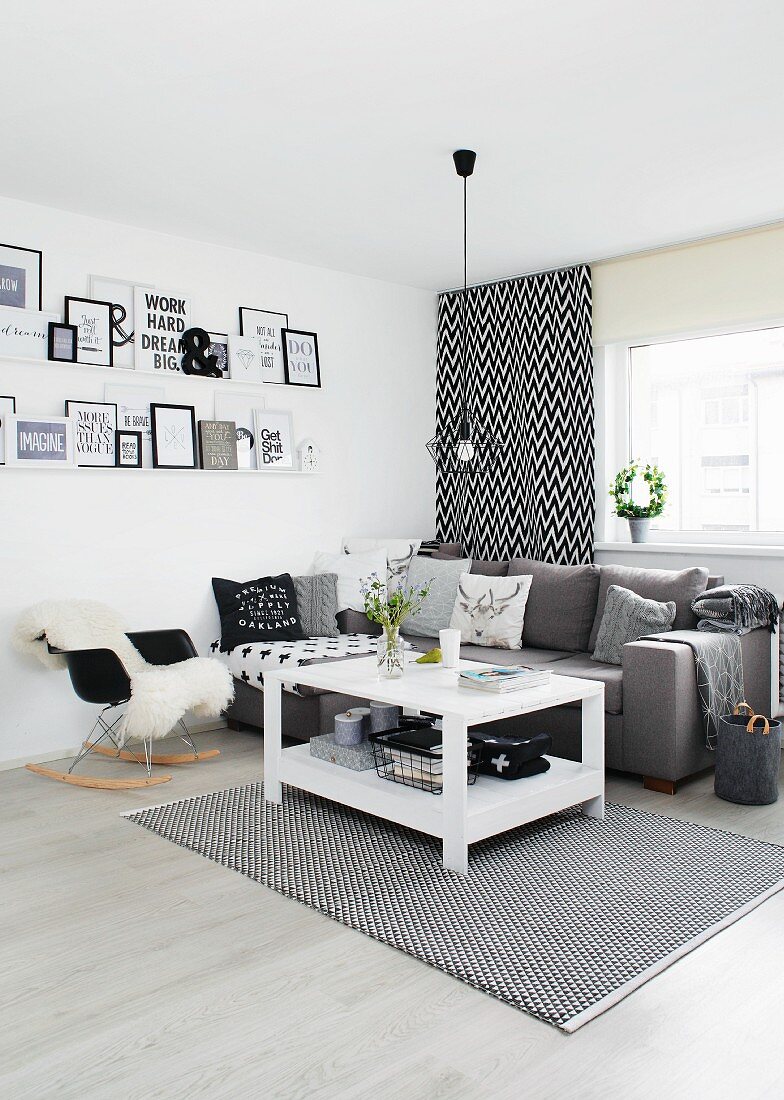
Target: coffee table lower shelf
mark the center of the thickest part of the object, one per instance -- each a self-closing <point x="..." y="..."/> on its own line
<point x="493" y="805"/>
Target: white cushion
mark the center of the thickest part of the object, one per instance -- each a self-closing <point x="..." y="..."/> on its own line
<point x="491" y="610"/>
<point x="353" y="571"/>
<point x="399" y="554"/>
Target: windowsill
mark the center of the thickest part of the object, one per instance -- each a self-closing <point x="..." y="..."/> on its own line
<point x="732" y="550"/>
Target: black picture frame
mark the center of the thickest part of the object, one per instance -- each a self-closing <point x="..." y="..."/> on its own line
<point x="69" y="298"/>
<point x="194" y="464"/>
<point x="119" y="435"/>
<point x="69" y="401"/>
<point x="290" y="381"/>
<point x="3" y="414"/>
<point x="32" y="252"/>
<point x="54" y="328"/>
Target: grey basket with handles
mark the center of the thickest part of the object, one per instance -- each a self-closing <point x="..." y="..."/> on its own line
<point x="748" y="758"/>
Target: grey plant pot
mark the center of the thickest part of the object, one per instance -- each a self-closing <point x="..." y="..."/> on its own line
<point x="638" y="529"/>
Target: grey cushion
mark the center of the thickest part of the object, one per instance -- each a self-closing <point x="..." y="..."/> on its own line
<point x="584" y="668"/>
<point x="356" y="622"/>
<point x="317" y="603"/>
<point x="561" y="604"/>
<point x="478" y="566"/>
<point x="654" y="584"/>
<point x="626" y="618"/>
<point x="443" y="577"/>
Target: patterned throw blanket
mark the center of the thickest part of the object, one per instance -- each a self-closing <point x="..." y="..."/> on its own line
<point x="719" y="662"/>
<point x="249" y="662"/>
<point x="736" y="608"/>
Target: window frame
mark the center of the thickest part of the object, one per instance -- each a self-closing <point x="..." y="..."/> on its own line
<point x="613" y="401"/>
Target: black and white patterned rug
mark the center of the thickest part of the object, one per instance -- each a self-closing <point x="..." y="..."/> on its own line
<point x="560" y="918"/>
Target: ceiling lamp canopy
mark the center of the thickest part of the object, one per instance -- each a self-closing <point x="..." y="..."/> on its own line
<point x="464" y="443"/>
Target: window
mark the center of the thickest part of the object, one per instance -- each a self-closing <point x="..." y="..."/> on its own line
<point x="709" y="412"/>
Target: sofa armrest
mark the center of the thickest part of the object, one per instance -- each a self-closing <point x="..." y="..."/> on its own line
<point x="663" y="725"/>
<point x="663" y="729"/>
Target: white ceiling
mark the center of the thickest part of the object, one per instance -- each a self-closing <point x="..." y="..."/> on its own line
<point x="322" y="131"/>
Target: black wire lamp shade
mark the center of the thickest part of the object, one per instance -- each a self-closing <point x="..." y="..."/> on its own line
<point x="464" y="444"/>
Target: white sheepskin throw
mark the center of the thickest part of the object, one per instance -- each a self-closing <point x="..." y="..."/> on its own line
<point x="160" y="694"/>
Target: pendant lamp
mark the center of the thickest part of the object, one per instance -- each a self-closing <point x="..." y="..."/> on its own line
<point x="465" y="443"/>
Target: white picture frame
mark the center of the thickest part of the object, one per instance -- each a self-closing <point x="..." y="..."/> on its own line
<point x="133" y="411"/>
<point x="267" y="326"/>
<point x="20" y="277"/>
<point x="94" y="431"/>
<point x="45" y="442"/>
<point x="241" y="408"/>
<point x="24" y="333"/>
<point x="120" y="293"/>
<point x="93" y="320"/>
<point x="275" y="448"/>
<point x="7" y="408"/>
<point x="160" y="319"/>
<point x="244" y="359"/>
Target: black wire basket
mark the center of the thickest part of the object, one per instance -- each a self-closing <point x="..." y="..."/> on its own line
<point x="415" y="767"/>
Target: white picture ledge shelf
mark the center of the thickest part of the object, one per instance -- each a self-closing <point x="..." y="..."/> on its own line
<point x="147" y="378"/>
<point x="134" y="471"/>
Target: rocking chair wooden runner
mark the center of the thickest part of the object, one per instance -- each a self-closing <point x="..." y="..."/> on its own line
<point x="99" y="676"/>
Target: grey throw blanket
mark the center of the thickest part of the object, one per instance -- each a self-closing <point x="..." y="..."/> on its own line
<point x="738" y="608"/>
<point x="719" y="662"/>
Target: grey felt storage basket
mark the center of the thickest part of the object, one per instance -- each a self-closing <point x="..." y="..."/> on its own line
<point x="748" y="757"/>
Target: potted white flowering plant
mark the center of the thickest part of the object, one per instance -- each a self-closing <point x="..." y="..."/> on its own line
<point x="389" y="610"/>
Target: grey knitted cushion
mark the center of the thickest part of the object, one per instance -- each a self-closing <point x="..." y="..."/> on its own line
<point x="317" y="603"/>
<point x="626" y="618"/>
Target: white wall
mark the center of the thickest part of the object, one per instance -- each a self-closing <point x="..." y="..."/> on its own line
<point x="149" y="543"/>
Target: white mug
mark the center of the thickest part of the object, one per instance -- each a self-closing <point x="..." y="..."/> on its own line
<point x="450" y="647"/>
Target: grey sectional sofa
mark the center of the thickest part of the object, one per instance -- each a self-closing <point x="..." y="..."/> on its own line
<point x="653" y="722"/>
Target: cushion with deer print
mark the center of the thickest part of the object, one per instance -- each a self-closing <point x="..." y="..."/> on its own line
<point x="399" y="554"/>
<point x="491" y="610"/>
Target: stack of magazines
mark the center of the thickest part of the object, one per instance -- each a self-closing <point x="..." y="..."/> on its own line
<point x="502" y="678"/>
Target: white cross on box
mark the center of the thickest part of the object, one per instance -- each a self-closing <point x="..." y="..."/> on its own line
<point x="500" y="762"/>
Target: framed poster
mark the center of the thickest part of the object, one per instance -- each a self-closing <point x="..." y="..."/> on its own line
<point x="268" y="328"/>
<point x="219" y="347"/>
<point x="7" y="408"/>
<point x="128" y="449"/>
<point x="62" y="342"/>
<point x="120" y="293"/>
<point x="93" y="319"/>
<point x="24" y="334"/>
<point x="274" y="440"/>
<point x="218" y="444"/>
<point x="160" y="319"/>
<point x="45" y="441"/>
<point x="20" y="277"/>
<point x="173" y="437"/>
<point x="94" y="427"/>
<point x="301" y="358"/>
<point x="133" y="411"/>
<point x="241" y="408"/>
<point x="244" y="359"/>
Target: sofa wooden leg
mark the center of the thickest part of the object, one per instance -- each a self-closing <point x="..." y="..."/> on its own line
<point x="661" y="786"/>
<point x="233" y="725"/>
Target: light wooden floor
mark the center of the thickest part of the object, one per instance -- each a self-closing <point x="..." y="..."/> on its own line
<point x="133" y="968"/>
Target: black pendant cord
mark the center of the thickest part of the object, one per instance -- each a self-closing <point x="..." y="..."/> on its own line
<point x="465" y="288"/>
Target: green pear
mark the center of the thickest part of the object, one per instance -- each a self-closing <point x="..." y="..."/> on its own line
<point x="432" y="657"/>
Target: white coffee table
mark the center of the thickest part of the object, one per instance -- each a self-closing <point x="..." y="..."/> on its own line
<point x="462" y="814"/>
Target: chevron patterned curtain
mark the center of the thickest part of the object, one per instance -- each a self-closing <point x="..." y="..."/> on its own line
<point x="530" y="378"/>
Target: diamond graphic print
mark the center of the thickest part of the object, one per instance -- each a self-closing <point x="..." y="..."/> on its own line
<point x="246" y="357"/>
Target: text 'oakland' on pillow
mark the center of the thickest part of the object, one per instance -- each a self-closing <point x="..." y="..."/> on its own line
<point x="263" y="610"/>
